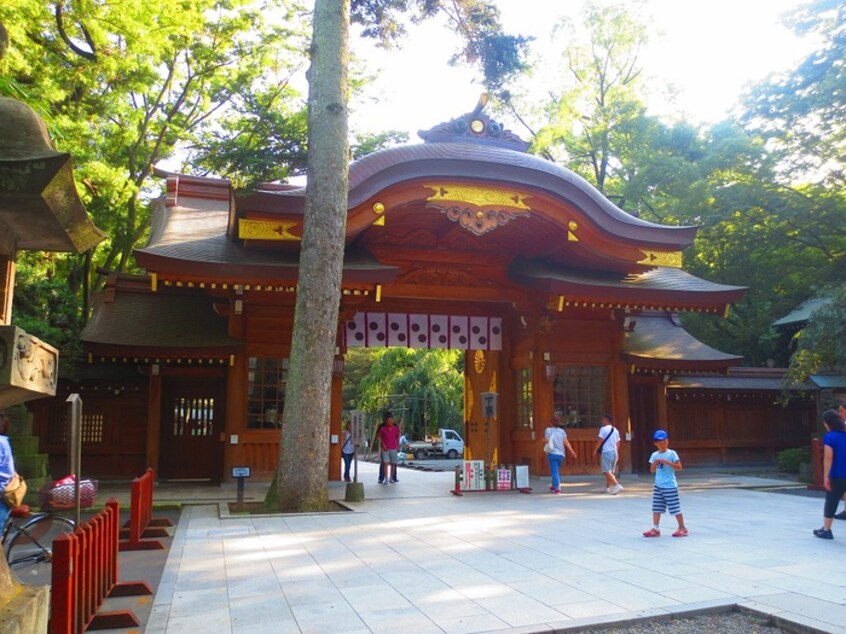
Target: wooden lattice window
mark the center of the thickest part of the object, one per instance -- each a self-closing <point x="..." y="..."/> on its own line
<point x="193" y="416"/>
<point x="266" y="382"/>
<point x="525" y="398"/>
<point x="581" y="394"/>
<point x="92" y="428"/>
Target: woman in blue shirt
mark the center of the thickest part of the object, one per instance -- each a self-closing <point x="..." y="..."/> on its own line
<point x="834" y="469"/>
<point x="7" y="465"/>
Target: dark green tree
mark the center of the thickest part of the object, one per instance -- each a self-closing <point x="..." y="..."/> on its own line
<point x="821" y="344"/>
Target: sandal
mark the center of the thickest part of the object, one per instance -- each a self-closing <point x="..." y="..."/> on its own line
<point x="652" y="532"/>
<point x="682" y="532"/>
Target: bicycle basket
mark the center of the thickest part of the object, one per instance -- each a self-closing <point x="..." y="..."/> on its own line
<point x="60" y="497"/>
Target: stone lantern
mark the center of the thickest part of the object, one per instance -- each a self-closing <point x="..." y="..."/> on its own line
<point x="40" y="210"/>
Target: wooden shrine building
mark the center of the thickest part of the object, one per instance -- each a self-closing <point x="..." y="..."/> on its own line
<point x="562" y="302"/>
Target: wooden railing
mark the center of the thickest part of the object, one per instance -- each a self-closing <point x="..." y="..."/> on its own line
<point x="85" y="574"/>
<point x="141" y="525"/>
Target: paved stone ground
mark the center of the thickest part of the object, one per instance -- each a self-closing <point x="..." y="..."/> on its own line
<point x="413" y="558"/>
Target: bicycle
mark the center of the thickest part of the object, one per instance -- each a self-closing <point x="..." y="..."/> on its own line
<point x="28" y="537"/>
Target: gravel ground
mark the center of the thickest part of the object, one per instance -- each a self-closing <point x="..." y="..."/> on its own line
<point x="725" y="623"/>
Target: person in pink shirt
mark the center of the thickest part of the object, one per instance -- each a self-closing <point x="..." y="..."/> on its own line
<point x="389" y="436"/>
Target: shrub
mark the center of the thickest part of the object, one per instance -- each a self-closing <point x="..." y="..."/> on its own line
<point x="790" y="459"/>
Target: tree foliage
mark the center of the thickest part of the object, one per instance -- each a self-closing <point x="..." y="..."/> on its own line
<point x="124" y="86"/>
<point x="499" y="55"/>
<point x="758" y="185"/>
<point x="594" y="111"/>
<point x="821" y="344"/>
<point x="424" y="388"/>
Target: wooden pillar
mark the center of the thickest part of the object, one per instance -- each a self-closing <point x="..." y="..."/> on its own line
<point x="7" y="288"/>
<point x="154" y="419"/>
<point x="335" y="429"/>
<point x="234" y="419"/>
<point x="482" y="437"/>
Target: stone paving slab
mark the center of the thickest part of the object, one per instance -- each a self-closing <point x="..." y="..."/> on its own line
<point x="414" y="558"/>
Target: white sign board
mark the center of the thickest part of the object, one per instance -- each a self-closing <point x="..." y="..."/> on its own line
<point x="474" y="475"/>
<point x="522" y="476"/>
<point x="503" y="479"/>
<point x="489" y="404"/>
<point x="357" y="427"/>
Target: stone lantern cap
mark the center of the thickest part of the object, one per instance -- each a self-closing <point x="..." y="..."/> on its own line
<point x="40" y="209"/>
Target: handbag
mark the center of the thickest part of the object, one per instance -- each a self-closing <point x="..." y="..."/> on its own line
<point x="549" y="446"/>
<point x="599" y="449"/>
<point x="15" y="491"/>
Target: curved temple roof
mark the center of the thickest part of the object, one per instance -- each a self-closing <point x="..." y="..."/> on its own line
<point x="656" y="340"/>
<point x="468" y="196"/>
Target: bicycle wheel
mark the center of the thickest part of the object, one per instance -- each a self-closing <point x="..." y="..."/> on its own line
<point x="30" y="548"/>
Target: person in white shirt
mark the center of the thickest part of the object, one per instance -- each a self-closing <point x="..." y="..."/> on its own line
<point x="608" y="448"/>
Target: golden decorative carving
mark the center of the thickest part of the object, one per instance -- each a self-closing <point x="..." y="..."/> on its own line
<point x="493" y="386"/>
<point x="478" y="196"/>
<point x="443" y="277"/>
<point x="483" y="222"/>
<point x="479" y="361"/>
<point x="468" y="399"/>
<point x="265" y="230"/>
<point x="545" y="325"/>
<point x="378" y="208"/>
<point x="415" y="238"/>
<point x="477" y="126"/>
<point x="672" y="259"/>
<point x="573" y="225"/>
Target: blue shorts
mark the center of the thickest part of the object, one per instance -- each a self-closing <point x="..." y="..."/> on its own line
<point x="608" y="460"/>
<point x="666" y="499"/>
<point x="389" y="455"/>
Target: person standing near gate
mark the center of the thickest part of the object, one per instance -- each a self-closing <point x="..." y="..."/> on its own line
<point x="347" y="451"/>
<point x="841" y="409"/>
<point x="555" y="441"/>
<point x="7" y="465"/>
<point x="608" y="448"/>
<point x="834" y="469"/>
<point x="389" y="436"/>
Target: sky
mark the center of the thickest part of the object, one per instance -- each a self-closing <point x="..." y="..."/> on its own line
<point x="707" y="50"/>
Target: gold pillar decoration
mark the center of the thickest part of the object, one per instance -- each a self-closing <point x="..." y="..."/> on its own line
<point x="379" y="210"/>
<point x="479" y="361"/>
<point x="572" y="227"/>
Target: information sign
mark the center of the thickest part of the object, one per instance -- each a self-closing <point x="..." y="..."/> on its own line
<point x="240" y="472"/>
<point x="522" y="476"/>
<point x="474" y="475"/>
<point x="357" y="427"/>
<point x="489" y="404"/>
<point x="503" y="479"/>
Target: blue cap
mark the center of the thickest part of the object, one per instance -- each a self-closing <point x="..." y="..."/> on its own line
<point x="660" y="434"/>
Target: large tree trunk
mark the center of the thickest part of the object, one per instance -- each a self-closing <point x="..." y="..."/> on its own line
<point x="304" y="455"/>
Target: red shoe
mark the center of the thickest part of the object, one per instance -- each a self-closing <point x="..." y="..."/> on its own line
<point x="682" y="532"/>
<point x="652" y="532"/>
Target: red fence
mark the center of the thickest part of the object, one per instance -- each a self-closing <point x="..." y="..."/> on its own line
<point x="85" y="574"/>
<point x="141" y="523"/>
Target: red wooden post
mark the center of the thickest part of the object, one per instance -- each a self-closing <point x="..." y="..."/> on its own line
<point x="141" y="516"/>
<point x="61" y="591"/>
<point x="113" y="535"/>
